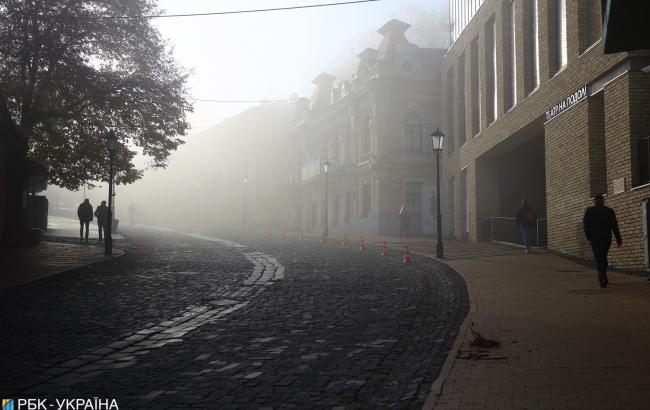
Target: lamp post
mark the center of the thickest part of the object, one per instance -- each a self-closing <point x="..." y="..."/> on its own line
<point x="437" y="139"/>
<point x="244" y="203"/>
<point x="111" y="143"/>
<point x="326" y="170"/>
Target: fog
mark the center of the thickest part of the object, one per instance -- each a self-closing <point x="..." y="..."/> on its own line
<point x="245" y="156"/>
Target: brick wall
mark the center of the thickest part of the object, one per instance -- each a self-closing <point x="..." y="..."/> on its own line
<point x="587" y="147"/>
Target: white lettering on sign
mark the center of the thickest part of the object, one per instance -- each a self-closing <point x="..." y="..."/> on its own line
<point x="567" y="103"/>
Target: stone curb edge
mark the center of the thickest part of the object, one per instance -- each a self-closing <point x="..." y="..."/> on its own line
<point x="436" y="388"/>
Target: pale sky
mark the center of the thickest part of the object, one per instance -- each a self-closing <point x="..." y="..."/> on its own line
<point x="264" y="55"/>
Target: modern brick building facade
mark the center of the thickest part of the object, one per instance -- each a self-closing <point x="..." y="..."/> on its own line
<point x="536" y="110"/>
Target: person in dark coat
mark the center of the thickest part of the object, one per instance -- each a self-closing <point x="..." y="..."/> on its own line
<point x="85" y="215"/>
<point x="599" y="222"/>
<point x="102" y="218"/>
<point x="526" y="218"/>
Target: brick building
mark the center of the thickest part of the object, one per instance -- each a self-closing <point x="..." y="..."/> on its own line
<point x="373" y="128"/>
<point x="536" y="110"/>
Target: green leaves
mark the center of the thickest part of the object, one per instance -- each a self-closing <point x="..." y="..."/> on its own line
<point x="67" y="77"/>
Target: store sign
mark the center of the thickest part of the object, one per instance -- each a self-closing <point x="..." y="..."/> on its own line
<point x="567" y="103"/>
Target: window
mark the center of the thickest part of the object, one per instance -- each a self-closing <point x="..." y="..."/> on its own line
<point x="366" y="137"/>
<point x="462" y="118"/>
<point x="562" y="53"/>
<point x="336" y="210"/>
<point x="476" y="88"/>
<point x="644" y="160"/>
<point x="365" y="200"/>
<point x="532" y="51"/>
<point x="347" y="209"/>
<point x="589" y="23"/>
<point x="412" y="132"/>
<point x="512" y="48"/>
<point x="450" y="111"/>
<point x="491" y="67"/>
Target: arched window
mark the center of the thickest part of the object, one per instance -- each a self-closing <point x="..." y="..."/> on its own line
<point x="412" y="132"/>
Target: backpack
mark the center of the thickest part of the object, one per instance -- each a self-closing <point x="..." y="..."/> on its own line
<point x="530" y="216"/>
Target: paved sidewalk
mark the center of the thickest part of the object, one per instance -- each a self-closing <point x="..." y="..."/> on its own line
<point x="22" y="265"/>
<point x="565" y="343"/>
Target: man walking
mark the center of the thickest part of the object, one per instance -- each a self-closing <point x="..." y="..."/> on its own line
<point x="85" y="215"/>
<point x="102" y="218"/>
<point x="599" y="222"/>
<point x="526" y="218"/>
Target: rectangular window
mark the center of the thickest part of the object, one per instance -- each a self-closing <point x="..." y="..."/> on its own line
<point x="450" y="111"/>
<point x="562" y="53"/>
<point x="532" y="50"/>
<point x="336" y="210"/>
<point x="491" y="70"/>
<point x="589" y="23"/>
<point x="365" y="200"/>
<point x="462" y="118"/>
<point x="413" y="137"/>
<point x="510" y="50"/>
<point x="476" y="88"/>
<point x="347" y="209"/>
<point x="644" y="160"/>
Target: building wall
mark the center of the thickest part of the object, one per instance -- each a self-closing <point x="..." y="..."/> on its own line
<point x="587" y="147"/>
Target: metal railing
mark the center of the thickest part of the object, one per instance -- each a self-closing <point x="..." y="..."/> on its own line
<point x="505" y="230"/>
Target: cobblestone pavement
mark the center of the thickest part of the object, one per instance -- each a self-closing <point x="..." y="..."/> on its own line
<point x="186" y="321"/>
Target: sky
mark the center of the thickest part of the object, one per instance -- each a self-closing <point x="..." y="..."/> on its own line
<point x="264" y="55"/>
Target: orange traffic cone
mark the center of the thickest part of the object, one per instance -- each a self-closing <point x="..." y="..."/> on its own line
<point x="345" y="241"/>
<point x="407" y="257"/>
<point x="362" y="245"/>
<point x="384" y="252"/>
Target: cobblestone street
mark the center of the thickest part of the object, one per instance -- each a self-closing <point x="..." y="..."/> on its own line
<point x="191" y="321"/>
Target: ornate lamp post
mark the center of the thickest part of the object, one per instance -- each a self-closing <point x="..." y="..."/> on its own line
<point x="326" y="170"/>
<point x="111" y="144"/>
<point x="437" y="139"/>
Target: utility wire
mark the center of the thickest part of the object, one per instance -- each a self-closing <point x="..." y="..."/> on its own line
<point x="216" y="13"/>
<point x="242" y="101"/>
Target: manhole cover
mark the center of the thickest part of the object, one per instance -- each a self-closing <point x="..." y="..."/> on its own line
<point x="590" y="291"/>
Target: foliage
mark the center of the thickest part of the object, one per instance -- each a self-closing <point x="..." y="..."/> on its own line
<point x="68" y="74"/>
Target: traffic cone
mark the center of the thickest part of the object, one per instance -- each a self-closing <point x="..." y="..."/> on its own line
<point x="345" y="241"/>
<point x="362" y="245"/>
<point x="407" y="257"/>
<point x="384" y="252"/>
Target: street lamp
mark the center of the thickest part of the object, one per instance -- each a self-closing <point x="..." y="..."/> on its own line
<point x="244" y="203"/>
<point x="437" y="139"/>
<point x="111" y="144"/>
<point x="326" y="170"/>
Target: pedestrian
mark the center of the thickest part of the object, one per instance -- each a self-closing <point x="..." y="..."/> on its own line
<point x="102" y="218"/>
<point x="85" y="215"/>
<point x="133" y="211"/>
<point x="526" y="218"/>
<point x="599" y="222"/>
<point x="404" y="222"/>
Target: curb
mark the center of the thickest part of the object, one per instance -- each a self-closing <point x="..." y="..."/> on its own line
<point x="438" y="384"/>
